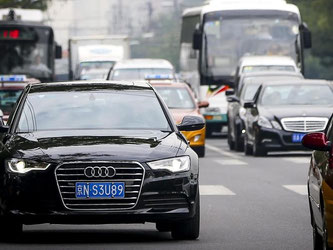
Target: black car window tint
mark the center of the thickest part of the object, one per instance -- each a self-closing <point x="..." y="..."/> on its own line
<point x="329" y="129"/>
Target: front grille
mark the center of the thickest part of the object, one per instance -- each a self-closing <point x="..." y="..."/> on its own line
<point x="304" y="124"/>
<point x="165" y="202"/>
<point x="132" y="174"/>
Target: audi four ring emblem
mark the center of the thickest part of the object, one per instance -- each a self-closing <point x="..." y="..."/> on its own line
<point x="99" y="172"/>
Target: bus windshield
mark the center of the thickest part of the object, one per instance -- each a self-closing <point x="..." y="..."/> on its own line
<point x="26" y="57"/>
<point x="226" y="40"/>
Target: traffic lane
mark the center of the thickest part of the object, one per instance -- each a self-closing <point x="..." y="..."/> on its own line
<point x="268" y="214"/>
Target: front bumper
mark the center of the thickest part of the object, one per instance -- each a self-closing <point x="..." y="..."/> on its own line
<point x="216" y="118"/>
<point x="35" y="198"/>
<point x="192" y="137"/>
<point x="277" y="140"/>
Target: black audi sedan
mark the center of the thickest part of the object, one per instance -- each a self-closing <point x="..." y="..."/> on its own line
<point x="98" y="153"/>
<point x="283" y="112"/>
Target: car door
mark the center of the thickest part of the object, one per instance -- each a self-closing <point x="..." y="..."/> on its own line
<point x="317" y="171"/>
<point x="252" y="115"/>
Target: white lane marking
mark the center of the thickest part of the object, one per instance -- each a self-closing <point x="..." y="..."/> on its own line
<point x="221" y="151"/>
<point x="231" y="162"/>
<point x="300" y="189"/>
<point x="302" y="160"/>
<point x="215" y="190"/>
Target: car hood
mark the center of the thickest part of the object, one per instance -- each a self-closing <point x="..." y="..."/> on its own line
<point x="295" y="111"/>
<point x="63" y="146"/>
<point x="178" y="114"/>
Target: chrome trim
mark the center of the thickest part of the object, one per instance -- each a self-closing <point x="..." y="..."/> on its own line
<point x="104" y="162"/>
<point x="303" y="125"/>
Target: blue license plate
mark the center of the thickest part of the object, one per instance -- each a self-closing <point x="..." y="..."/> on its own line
<point x="98" y="190"/>
<point x="297" y="137"/>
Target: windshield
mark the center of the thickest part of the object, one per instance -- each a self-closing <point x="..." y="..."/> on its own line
<point x="176" y="98"/>
<point x="8" y="98"/>
<point x="297" y="95"/>
<point x="226" y="40"/>
<point x="29" y="57"/>
<point x="92" y="110"/>
<point x="94" y="70"/>
<point x="248" y="69"/>
<point x="139" y="73"/>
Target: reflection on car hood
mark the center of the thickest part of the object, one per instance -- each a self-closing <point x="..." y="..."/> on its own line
<point x="59" y="146"/>
<point x="280" y="112"/>
<point x="178" y="114"/>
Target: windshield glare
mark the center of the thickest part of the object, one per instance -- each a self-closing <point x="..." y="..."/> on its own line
<point x="139" y="73"/>
<point x="232" y="38"/>
<point x="297" y="95"/>
<point x="92" y="110"/>
<point x="176" y="98"/>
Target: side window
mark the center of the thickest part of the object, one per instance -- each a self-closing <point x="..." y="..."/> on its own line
<point x="329" y="129"/>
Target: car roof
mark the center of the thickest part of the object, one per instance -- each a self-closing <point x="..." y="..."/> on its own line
<point x="143" y="63"/>
<point x="266" y="61"/>
<point x="91" y="84"/>
<point x="171" y="84"/>
<point x="272" y="73"/>
<point x="297" y="82"/>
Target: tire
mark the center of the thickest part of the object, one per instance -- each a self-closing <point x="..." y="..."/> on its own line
<point x="10" y="230"/>
<point x="163" y="227"/>
<point x="239" y="142"/>
<point x="209" y="132"/>
<point x="316" y="239"/>
<point x="258" y="150"/>
<point x="201" y="151"/>
<point x="189" y="229"/>
<point x="247" y="147"/>
<point x="230" y="142"/>
<point x="324" y="237"/>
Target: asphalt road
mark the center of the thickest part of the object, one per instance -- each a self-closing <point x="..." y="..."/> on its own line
<point x="246" y="203"/>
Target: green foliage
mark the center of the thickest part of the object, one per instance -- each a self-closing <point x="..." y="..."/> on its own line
<point x="166" y="40"/>
<point x="318" y="15"/>
<point x="26" y="4"/>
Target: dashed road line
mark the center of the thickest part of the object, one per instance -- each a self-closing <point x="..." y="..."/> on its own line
<point x="303" y="160"/>
<point x="299" y="189"/>
<point x="215" y="190"/>
<point x="221" y="151"/>
<point x="231" y="162"/>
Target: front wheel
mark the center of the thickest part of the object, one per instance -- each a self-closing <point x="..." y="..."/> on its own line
<point x="189" y="229"/>
<point x="258" y="150"/>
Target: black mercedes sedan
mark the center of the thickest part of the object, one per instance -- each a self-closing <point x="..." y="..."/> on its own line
<point x="98" y="153"/>
<point x="283" y="112"/>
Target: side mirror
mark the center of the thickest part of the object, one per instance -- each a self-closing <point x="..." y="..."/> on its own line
<point x="191" y="123"/>
<point x="306" y="36"/>
<point x="317" y="141"/>
<point x="4" y="129"/>
<point x="203" y="104"/>
<point x="58" y="52"/>
<point x="249" y="105"/>
<point x="229" y="92"/>
<point x="232" y="99"/>
<point x="197" y="40"/>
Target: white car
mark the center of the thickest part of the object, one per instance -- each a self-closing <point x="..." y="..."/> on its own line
<point x="139" y="69"/>
<point x="248" y="64"/>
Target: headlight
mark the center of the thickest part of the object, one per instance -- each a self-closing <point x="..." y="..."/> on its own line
<point x="276" y="125"/>
<point x="264" y="122"/>
<point x="22" y="166"/>
<point x="242" y="113"/>
<point x="175" y="165"/>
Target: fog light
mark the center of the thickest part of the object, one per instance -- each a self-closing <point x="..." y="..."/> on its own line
<point x="266" y="140"/>
<point x="243" y="131"/>
<point x="196" y="138"/>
